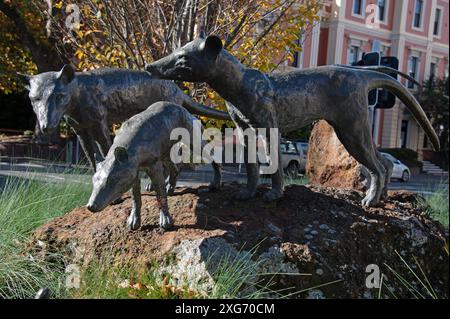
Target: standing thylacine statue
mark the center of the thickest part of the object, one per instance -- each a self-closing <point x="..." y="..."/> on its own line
<point x="291" y="100"/>
<point x="92" y="101"/>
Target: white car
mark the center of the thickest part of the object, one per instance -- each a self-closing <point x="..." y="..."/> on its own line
<point x="400" y="170"/>
<point x="293" y="157"/>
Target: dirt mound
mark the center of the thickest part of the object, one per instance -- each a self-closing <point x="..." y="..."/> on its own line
<point x="323" y="232"/>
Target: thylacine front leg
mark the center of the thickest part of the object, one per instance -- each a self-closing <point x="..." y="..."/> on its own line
<point x="103" y="137"/>
<point x="273" y="144"/>
<point x="251" y="168"/>
<point x="85" y="141"/>
<point x="134" y="219"/>
<point x="277" y="177"/>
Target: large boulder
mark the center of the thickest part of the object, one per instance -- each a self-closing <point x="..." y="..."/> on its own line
<point x="329" y="163"/>
<point x="312" y="237"/>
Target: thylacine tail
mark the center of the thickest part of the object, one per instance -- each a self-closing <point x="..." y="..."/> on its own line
<point x="380" y="80"/>
<point x="199" y="109"/>
<point x="382" y="69"/>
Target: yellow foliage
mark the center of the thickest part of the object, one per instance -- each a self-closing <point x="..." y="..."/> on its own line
<point x="269" y="35"/>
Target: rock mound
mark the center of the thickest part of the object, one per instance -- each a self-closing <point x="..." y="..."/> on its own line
<point x="321" y="234"/>
<point x="329" y="164"/>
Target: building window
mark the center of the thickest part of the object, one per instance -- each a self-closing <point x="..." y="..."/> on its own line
<point x="417" y="21"/>
<point x="437" y="22"/>
<point x="425" y="142"/>
<point x="358" y="7"/>
<point x="432" y="70"/>
<point x="382" y="10"/>
<point x="298" y="56"/>
<point x="353" y="54"/>
<point x="413" y="67"/>
<point x="404" y="134"/>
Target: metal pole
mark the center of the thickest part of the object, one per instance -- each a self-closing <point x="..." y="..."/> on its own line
<point x="77" y="151"/>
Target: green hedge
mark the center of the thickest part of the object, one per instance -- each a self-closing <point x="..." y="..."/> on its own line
<point x="405" y="155"/>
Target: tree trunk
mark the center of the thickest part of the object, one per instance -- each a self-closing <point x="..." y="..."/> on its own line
<point x="45" y="57"/>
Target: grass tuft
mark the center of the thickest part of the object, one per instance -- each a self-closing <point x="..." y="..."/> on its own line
<point x="26" y="204"/>
<point x="418" y="286"/>
<point x="437" y="204"/>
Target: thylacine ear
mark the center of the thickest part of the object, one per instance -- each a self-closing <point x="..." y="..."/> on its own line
<point x="212" y="46"/>
<point x="67" y="74"/>
<point x="121" y="154"/>
<point x="25" y="78"/>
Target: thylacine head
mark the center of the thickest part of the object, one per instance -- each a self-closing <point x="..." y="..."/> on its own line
<point x="194" y="62"/>
<point x="114" y="176"/>
<point x="50" y="95"/>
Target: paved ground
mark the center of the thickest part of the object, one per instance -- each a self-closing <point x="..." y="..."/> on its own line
<point x="420" y="183"/>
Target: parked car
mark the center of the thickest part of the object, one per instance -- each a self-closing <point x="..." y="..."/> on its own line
<point x="302" y="147"/>
<point x="290" y="158"/>
<point x="293" y="157"/>
<point x="400" y="170"/>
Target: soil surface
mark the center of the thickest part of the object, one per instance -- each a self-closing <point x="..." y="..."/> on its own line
<point x="324" y="232"/>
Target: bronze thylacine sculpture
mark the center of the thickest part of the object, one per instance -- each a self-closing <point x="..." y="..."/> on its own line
<point x="143" y="144"/>
<point x="291" y="100"/>
<point x="92" y="101"/>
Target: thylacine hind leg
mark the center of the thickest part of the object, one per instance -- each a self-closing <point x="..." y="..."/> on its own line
<point x="156" y="174"/>
<point x="357" y="139"/>
<point x="174" y="171"/>
<point x="171" y="172"/>
<point x="388" y="168"/>
<point x="216" y="183"/>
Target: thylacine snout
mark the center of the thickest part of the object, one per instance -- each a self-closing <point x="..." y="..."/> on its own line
<point x="193" y="62"/>
<point x="114" y="176"/>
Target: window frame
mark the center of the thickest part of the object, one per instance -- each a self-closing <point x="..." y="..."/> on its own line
<point x="358" y="54"/>
<point x="420" y="27"/>
<point x="411" y="84"/>
<point x="386" y="12"/>
<point x="363" y="9"/>
<point x="441" y="9"/>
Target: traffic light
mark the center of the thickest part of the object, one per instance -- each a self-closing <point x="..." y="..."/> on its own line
<point x="386" y="99"/>
<point x="371" y="58"/>
<point x="380" y="98"/>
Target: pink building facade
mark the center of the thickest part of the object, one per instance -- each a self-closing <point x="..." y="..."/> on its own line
<point x="415" y="31"/>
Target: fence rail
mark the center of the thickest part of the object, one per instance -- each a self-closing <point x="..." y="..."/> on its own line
<point x="69" y="152"/>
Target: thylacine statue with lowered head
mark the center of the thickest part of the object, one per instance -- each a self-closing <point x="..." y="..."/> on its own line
<point x="144" y="143"/>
